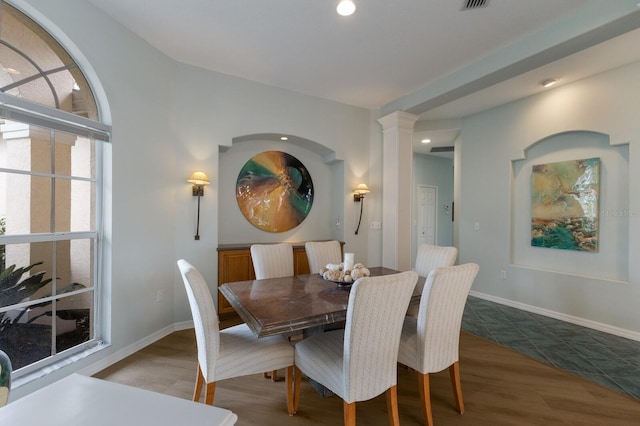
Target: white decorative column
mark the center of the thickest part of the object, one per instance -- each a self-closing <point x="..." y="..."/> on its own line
<point x="397" y="189"/>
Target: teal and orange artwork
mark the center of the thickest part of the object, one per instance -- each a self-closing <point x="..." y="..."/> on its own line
<point x="564" y="205"/>
<point x="274" y="191"/>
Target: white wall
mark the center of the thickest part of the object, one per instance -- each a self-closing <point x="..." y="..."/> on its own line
<point x="372" y="211"/>
<point x="491" y="140"/>
<point x="168" y="120"/>
<point x="212" y="110"/>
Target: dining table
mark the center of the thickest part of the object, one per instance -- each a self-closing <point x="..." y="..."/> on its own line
<point x="300" y="303"/>
<point x="289" y="304"/>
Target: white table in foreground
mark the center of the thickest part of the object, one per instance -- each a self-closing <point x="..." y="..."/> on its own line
<point x="83" y="401"/>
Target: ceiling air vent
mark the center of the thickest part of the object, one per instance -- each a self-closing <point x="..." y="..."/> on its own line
<point x="442" y="149"/>
<point x="474" y="4"/>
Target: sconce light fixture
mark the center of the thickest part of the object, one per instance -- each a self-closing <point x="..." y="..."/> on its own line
<point x="358" y="197"/>
<point x="199" y="180"/>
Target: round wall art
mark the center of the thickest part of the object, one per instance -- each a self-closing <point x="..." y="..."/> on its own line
<point x="274" y="191"/>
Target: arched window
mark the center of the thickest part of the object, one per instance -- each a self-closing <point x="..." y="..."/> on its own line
<point x="36" y="67"/>
<point x="50" y="192"/>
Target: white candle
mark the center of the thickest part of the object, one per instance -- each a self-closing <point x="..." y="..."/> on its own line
<point x="348" y="261"/>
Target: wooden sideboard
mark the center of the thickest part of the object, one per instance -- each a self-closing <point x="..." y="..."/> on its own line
<point x="234" y="264"/>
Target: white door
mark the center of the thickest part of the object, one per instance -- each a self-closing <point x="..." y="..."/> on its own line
<point x="427" y="205"/>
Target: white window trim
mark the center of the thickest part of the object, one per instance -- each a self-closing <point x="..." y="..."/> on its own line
<point x="41" y="115"/>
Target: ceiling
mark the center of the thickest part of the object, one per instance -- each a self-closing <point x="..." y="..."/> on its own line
<point x="427" y="57"/>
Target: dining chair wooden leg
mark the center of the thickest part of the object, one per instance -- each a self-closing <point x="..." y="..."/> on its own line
<point x="199" y="383"/>
<point x="425" y="397"/>
<point x="289" y="379"/>
<point x="271" y="374"/>
<point x="297" y="374"/>
<point x="454" y="373"/>
<point x="209" y="391"/>
<point x="349" y="413"/>
<point x="392" y="406"/>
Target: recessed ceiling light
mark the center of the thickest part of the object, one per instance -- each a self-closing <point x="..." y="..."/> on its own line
<point x="425" y="140"/>
<point x="547" y="82"/>
<point x="284" y="138"/>
<point x="346" y="7"/>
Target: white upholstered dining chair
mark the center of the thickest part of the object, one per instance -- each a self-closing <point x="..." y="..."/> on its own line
<point x="359" y="362"/>
<point x="321" y="253"/>
<point x="430" y="342"/>
<point x="234" y="351"/>
<point x="428" y="258"/>
<point x="272" y="261"/>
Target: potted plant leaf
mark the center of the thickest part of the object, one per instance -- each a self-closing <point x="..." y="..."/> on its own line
<point x="23" y="340"/>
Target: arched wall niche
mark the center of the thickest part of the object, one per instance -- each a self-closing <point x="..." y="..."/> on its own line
<point x="530" y="143"/>
<point x="326" y="153"/>
<point x="610" y="262"/>
<point x="325" y="218"/>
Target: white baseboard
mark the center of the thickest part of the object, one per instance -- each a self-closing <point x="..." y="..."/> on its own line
<point x="562" y="317"/>
<point x="133" y="348"/>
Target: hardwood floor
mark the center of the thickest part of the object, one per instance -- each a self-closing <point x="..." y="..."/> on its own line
<point x="500" y="387"/>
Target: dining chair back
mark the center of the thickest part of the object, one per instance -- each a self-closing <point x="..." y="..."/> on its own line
<point x="428" y="258"/>
<point x="5" y="378"/>
<point x="322" y="253"/>
<point x="359" y="362"/>
<point x="231" y="352"/>
<point x="430" y="342"/>
<point x="272" y="260"/>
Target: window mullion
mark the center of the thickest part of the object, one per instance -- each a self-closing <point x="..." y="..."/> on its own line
<point x="52" y="175"/>
<point x="52" y="183"/>
<point x="54" y="247"/>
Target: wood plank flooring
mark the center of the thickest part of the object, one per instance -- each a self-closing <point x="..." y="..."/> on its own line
<point x="500" y="387"/>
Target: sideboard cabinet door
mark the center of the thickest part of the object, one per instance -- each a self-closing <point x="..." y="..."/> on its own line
<point x="300" y="261"/>
<point x="233" y="265"/>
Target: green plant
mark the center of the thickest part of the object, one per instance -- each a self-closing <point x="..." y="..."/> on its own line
<point x="14" y="289"/>
<point x="26" y="342"/>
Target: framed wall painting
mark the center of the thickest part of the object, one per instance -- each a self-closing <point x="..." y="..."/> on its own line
<point x="274" y="191"/>
<point x="564" y="205"/>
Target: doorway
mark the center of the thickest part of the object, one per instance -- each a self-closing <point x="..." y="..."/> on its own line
<point x="427" y="198"/>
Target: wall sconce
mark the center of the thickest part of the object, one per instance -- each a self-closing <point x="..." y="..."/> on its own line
<point x="199" y="180"/>
<point x="358" y="197"/>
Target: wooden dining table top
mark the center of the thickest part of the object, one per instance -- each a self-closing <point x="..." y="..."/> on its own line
<point x="287" y="304"/>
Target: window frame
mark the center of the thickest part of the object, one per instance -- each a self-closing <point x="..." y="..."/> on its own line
<point x="33" y="113"/>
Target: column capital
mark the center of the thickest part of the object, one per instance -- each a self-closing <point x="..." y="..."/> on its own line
<point x="398" y="119"/>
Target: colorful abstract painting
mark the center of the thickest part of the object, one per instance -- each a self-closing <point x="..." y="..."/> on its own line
<point x="564" y="211"/>
<point x="274" y="191"/>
